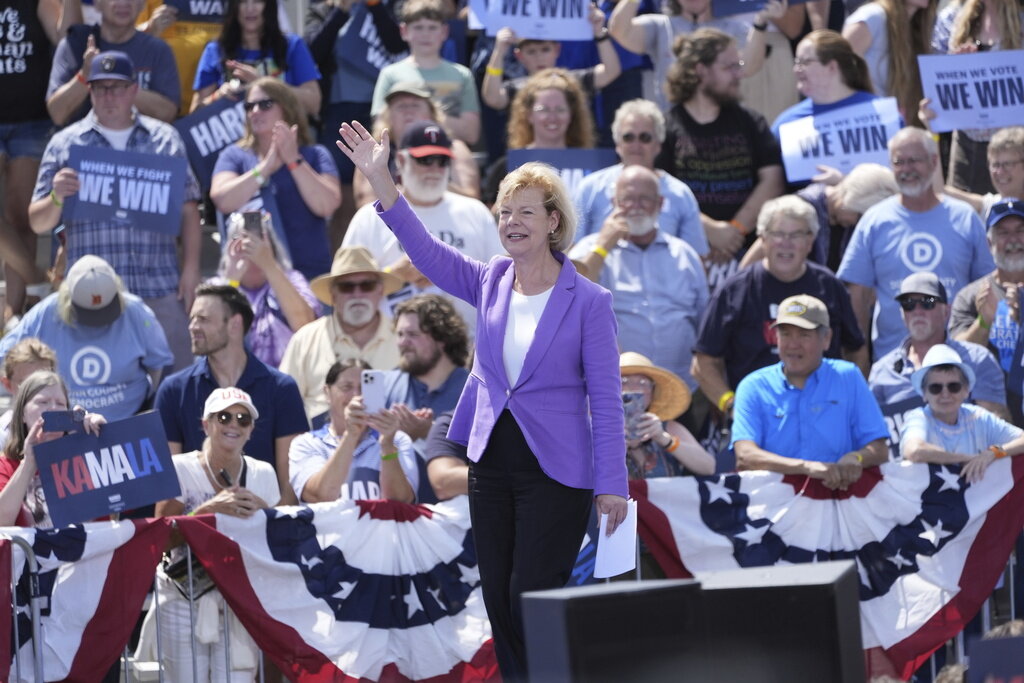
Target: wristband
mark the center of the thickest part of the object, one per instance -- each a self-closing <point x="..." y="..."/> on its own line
<point x="760" y="28"/>
<point x="998" y="451"/>
<point x="860" y="458"/>
<point x="739" y="226"/>
<point x="258" y="176"/>
<point x="372" y="3"/>
<point x="600" y="251"/>
<point x="725" y="398"/>
<point x="81" y="79"/>
<point x="295" y="164"/>
<point x="56" y="202"/>
<point x="603" y="37"/>
<point x="491" y="71"/>
<point x="389" y="456"/>
<point x="984" y="325"/>
<point x="672" y="445"/>
<point x="234" y="283"/>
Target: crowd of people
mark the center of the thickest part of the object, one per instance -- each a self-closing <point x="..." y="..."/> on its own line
<point x="369" y="217"/>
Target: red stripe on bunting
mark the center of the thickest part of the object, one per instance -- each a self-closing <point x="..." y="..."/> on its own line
<point x="815" y="489"/>
<point x="129" y="578"/>
<point x="656" y="533"/>
<point x="391" y="511"/>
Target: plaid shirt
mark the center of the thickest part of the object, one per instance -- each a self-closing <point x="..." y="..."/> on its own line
<point x="147" y="261"/>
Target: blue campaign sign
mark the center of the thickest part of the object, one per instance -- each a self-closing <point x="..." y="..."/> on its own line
<point x="895" y="414"/>
<point x="145" y="189"/>
<point x="362" y="49"/>
<point x="572" y="164"/>
<point x="974" y="90"/>
<point x="209" y="130"/>
<point x="727" y="8"/>
<point x="996" y="660"/>
<point x="206" y="11"/>
<point x="126" y="467"/>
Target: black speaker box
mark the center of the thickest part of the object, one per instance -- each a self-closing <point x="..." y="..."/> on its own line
<point x="788" y="624"/>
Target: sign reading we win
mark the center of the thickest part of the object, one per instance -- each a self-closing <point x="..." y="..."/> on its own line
<point x="540" y="19"/>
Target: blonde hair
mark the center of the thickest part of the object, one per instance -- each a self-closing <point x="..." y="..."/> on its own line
<point x="291" y="110"/>
<point x="556" y="198"/>
<point x="1009" y="139"/>
<point x="28" y="350"/>
<point x="581" y="124"/>
<point x="968" y="21"/>
<point x="33" y="384"/>
<point x="66" y="308"/>
<point x="908" y="38"/>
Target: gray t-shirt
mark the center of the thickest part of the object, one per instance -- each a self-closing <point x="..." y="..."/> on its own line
<point x="873" y="16"/>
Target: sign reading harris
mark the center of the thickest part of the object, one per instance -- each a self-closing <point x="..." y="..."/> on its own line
<point x="572" y="164"/>
<point x="127" y="466"/>
<point x="974" y="90"/>
<point x="841" y="138"/>
<point x="540" y="19"/>
<point x="209" y="130"/>
<point x="146" y="189"/>
<point x="205" y="11"/>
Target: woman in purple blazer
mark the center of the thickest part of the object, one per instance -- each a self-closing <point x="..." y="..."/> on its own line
<point x="541" y="413"/>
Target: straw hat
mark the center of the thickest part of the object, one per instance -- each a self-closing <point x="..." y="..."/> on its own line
<point x="349" y="260"/>
<point x="671" y="395"/>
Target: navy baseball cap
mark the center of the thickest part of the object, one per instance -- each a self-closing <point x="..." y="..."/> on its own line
<point x="112" y="66"/>
<point x="425" y="138"/>
<point x="1009" y="206"/>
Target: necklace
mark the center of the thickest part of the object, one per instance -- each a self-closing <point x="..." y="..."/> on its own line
<point x="216" y="482"/>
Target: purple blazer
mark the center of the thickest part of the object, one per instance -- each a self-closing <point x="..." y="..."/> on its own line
<point x="568" y="399"/>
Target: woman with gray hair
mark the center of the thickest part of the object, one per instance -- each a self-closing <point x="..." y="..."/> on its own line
<point x="947" y="430"/>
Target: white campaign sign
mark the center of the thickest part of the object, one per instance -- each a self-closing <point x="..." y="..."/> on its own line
<point x="974" y="90"/>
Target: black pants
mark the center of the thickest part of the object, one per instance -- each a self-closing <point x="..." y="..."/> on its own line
<point x="527" y="529"/>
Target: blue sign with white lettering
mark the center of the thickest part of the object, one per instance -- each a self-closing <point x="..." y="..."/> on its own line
<point x="146" y="190"/>
<point x="206" y="11"/>
<point x="207" y="131"/>
<point x="126" y="467"/>
<point x="572" y="164"/>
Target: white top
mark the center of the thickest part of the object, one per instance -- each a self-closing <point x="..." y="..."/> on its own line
<point x="118" y="139"/>
<point x="196" y="488"/>
<point x="523" y="315"/>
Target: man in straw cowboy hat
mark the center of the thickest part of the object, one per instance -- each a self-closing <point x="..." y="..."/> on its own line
<point x="657" y="445"/>
<point x="807" y="414"/>
<point x="356" y="329"/>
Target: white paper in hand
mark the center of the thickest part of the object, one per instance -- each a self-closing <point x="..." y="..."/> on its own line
<point x="616" y="554"/>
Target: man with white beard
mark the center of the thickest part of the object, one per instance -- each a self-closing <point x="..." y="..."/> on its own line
<point x="913" y="231"/>
<point x="355" y="329"/>
<point x="423" y="161"/>
<point x="656" y="279"/>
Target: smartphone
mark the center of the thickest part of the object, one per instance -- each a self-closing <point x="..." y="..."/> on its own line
<point x="63" y="420"/>
<point x="373" y="391"/>
<point x="252" y="222"/>
<point x="633" y="403"/>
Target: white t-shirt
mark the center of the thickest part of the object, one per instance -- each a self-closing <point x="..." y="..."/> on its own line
<point x="523" y="315"/>
<point x="196" y="488"/>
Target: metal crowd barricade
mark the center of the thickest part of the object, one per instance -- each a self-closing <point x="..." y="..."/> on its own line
<point x="35" y="598"/>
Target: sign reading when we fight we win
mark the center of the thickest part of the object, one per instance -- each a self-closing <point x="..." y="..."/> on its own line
<point x="127" y="466"/>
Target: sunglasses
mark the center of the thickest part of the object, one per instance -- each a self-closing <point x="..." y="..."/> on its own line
<point x="262" y="105"/>
<point x="644" y="137"/>
<point x="243" y="419"/>
<point x="364" y="286"/>
<point x="434" y="160"/>
<point x="952" y="387"/>
<point x="927" y="303"/>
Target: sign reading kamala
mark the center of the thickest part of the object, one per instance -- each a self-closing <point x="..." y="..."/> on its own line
<point x="127" y="466"/>
<point x="209" y="130"/>
<point x="974" y="90"/>
<point x="540" y="19"/>
<point x="841" y="138"/>
<point x="572" y="164"/>
<point x="206" y="11"/>
<point x="145" y="189"/>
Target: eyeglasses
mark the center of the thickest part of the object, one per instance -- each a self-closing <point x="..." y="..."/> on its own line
<point x="262" y="105"/>
<point x="1003" y="165"/>
<point x="644" y="137"/>
<point x="927" y="303"/>
<point x="802" y="63"/>
<point x="112" y="89"/>
<point x="784" y="236"/>
<point x="541" y="109"/>
<point x="908" y="161"/>
<point x="243" y="419"/>
<point x="364" y="286"/>
<point x="952" y="387"/>
<point x="439" y="160"/>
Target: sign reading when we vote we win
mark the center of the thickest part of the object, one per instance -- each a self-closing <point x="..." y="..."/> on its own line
<point x="127" y="466"/>
<point x="538" y="19"/>
<point x="145" y="189"/>
<point x="841" y="138"/>
<point x="975" y="90"/>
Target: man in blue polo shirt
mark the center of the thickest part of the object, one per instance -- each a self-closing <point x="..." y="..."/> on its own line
<point x="220" y="318"/>
<point x="807" y="414"/>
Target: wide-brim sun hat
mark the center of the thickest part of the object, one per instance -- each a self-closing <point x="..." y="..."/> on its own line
<point x="940" y="354"/>
<point x="348" y="261"/>
<point x="671" y="396"/>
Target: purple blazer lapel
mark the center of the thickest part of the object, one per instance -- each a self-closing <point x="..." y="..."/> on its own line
<point x="561" y="298"/>
<point x="497" y="320"/>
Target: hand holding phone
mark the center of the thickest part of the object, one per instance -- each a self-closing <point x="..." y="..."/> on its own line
<point x="373" y="391"/>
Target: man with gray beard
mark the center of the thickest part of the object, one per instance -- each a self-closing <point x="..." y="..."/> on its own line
<point x="987" y="311"/>
<point x="657" y="281"/>
<point x="423" y="161"/>
<point x="913" y="231"/>
<point x="355" y="329"/>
